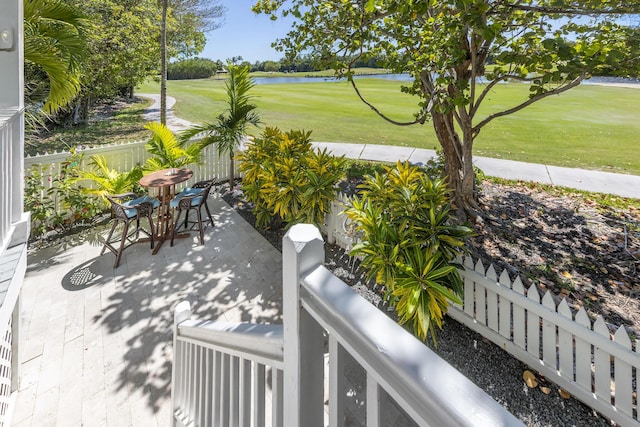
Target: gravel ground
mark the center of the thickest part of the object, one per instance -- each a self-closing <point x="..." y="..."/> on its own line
<point x="484" y="363"/>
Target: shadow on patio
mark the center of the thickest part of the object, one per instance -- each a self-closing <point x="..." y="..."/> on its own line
<point x="98" y="341"/>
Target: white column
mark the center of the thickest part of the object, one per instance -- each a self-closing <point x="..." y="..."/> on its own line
<point x="303" y="382"/>
<point x="12" y="94"/>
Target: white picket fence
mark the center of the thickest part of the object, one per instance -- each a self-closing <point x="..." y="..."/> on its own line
<point x="122" y="158"/>
<point x="587" y="360"/>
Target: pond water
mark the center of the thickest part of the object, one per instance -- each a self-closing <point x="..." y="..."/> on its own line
<point x="287" y="80"/>
<point x="404" y="78"/>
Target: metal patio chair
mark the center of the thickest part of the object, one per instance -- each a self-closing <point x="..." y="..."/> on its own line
<point x="189" y="199"/>
<point x="125" y="209"/>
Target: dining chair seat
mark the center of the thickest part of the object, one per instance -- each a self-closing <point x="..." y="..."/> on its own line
<point x="133" y="211"/>
<point x="187" y="192"/>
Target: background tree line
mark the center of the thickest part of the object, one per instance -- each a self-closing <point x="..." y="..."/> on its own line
<point x="202" y="68"/>
<point x="93" y="50"/>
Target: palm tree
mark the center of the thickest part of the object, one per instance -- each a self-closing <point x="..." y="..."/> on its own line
<point x="107" y="181"/>
<point x="53" y="50"/>
<point x="230" y="126"/>
<point x="169" y="151"/>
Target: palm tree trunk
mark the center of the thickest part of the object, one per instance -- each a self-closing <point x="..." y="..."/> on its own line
<point x="163" y="66"/>
<point x="232" y="171"/>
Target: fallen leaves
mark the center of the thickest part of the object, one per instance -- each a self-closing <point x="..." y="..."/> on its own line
<point x="530" y="379"/>
<point x="539" y="381"/>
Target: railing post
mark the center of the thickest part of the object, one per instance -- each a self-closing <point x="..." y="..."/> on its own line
<point x="182" y="313"/>
<point x="303" y="382"/>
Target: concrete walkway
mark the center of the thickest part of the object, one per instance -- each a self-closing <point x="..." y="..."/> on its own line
<point x="580" y="179"/>
<point x="97" y="341"/>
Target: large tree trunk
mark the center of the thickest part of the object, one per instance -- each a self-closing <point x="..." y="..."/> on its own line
<point x="458" y="166"/>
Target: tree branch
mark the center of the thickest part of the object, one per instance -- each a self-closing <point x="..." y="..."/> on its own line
<point x="420" y="119"/>
<point x="618" y="10"/>
<point x="575" y="82"/>
<point x="484" y="93"/>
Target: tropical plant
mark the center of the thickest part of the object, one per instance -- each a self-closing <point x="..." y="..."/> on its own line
<point x="107" y="181"/>
<point x="409" y="243"/>
<point x="76" y="202"/>
<point x="169" y="151"/>
<point x="459" y="51"/>
<point x="230" y="127"/>
<point x="285" y="178"/>
<point x="62" y="203"/>
<point x="36" y="201"/>
<point x="53" y="51"/>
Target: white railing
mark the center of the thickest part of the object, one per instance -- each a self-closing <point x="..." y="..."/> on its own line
<point x="315" y="303"/>
<point x="14" y="223"/>
<point x="225" y="374"/>
<point x="583" y="358"/>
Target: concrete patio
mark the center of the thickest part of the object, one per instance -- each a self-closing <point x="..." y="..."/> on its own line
<point x="97" y="341"/>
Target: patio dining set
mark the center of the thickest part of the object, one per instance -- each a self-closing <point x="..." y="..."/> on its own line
<point x="168" y="207"/>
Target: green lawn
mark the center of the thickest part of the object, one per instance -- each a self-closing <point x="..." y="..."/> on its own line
<point x="593" y="127"/>
<point x="125" y="125"/>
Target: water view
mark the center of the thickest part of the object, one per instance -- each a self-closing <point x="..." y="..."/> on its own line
<point x="405" y="77"/>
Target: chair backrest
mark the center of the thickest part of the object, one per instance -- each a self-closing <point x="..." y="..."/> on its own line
<point x="185" y="202"/>
<point x="123" y="211"/>
<point x="117" y="208"/>
<point x="207" y="185"/>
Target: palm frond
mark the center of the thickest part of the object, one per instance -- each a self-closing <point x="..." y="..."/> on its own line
<point x="54" y="42"/>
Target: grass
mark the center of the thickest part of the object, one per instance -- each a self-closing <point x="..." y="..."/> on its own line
<point x="123" y="125"/>
<point x="591" y="127"/>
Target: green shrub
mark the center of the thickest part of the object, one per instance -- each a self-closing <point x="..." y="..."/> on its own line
<point x="409" y="243"/>
<point x="360" y="168"/>
<point x="64" y="203"/>
<point x="37" y="201"/>
<point x="194" y="68"/>
<point x="286" y="178"/>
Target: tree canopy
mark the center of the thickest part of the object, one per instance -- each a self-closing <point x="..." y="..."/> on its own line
<point x="458" y="51"/>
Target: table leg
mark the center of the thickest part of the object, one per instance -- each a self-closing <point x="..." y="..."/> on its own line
<point x="162" y="222"/>
<point x="165" y="226"/>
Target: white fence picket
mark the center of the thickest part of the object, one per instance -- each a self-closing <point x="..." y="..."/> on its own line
<point x="583" y="353"/>
<point x="469" y="291"/>
<point x="533" y="324"/>
<point x="481" y="299"/>
<point x="549" y="337"/>
<point x="623" y="375"/>
<point x="565" y="343"/>
<point x="602" y="364"/>
<point x="519" y="319"/>
<point x="505" y="308"/>
<point x="492" y="300"/>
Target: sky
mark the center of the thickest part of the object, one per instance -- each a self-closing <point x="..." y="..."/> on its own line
<point x="245" y="34"/>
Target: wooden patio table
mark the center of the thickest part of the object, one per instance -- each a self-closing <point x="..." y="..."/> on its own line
<point x="165" y="181"/>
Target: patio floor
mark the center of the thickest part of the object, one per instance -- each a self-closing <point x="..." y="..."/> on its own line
<point x="96" y="341"/>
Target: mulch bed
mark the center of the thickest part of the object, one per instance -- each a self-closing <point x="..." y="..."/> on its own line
<point x="562" y="243"/>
